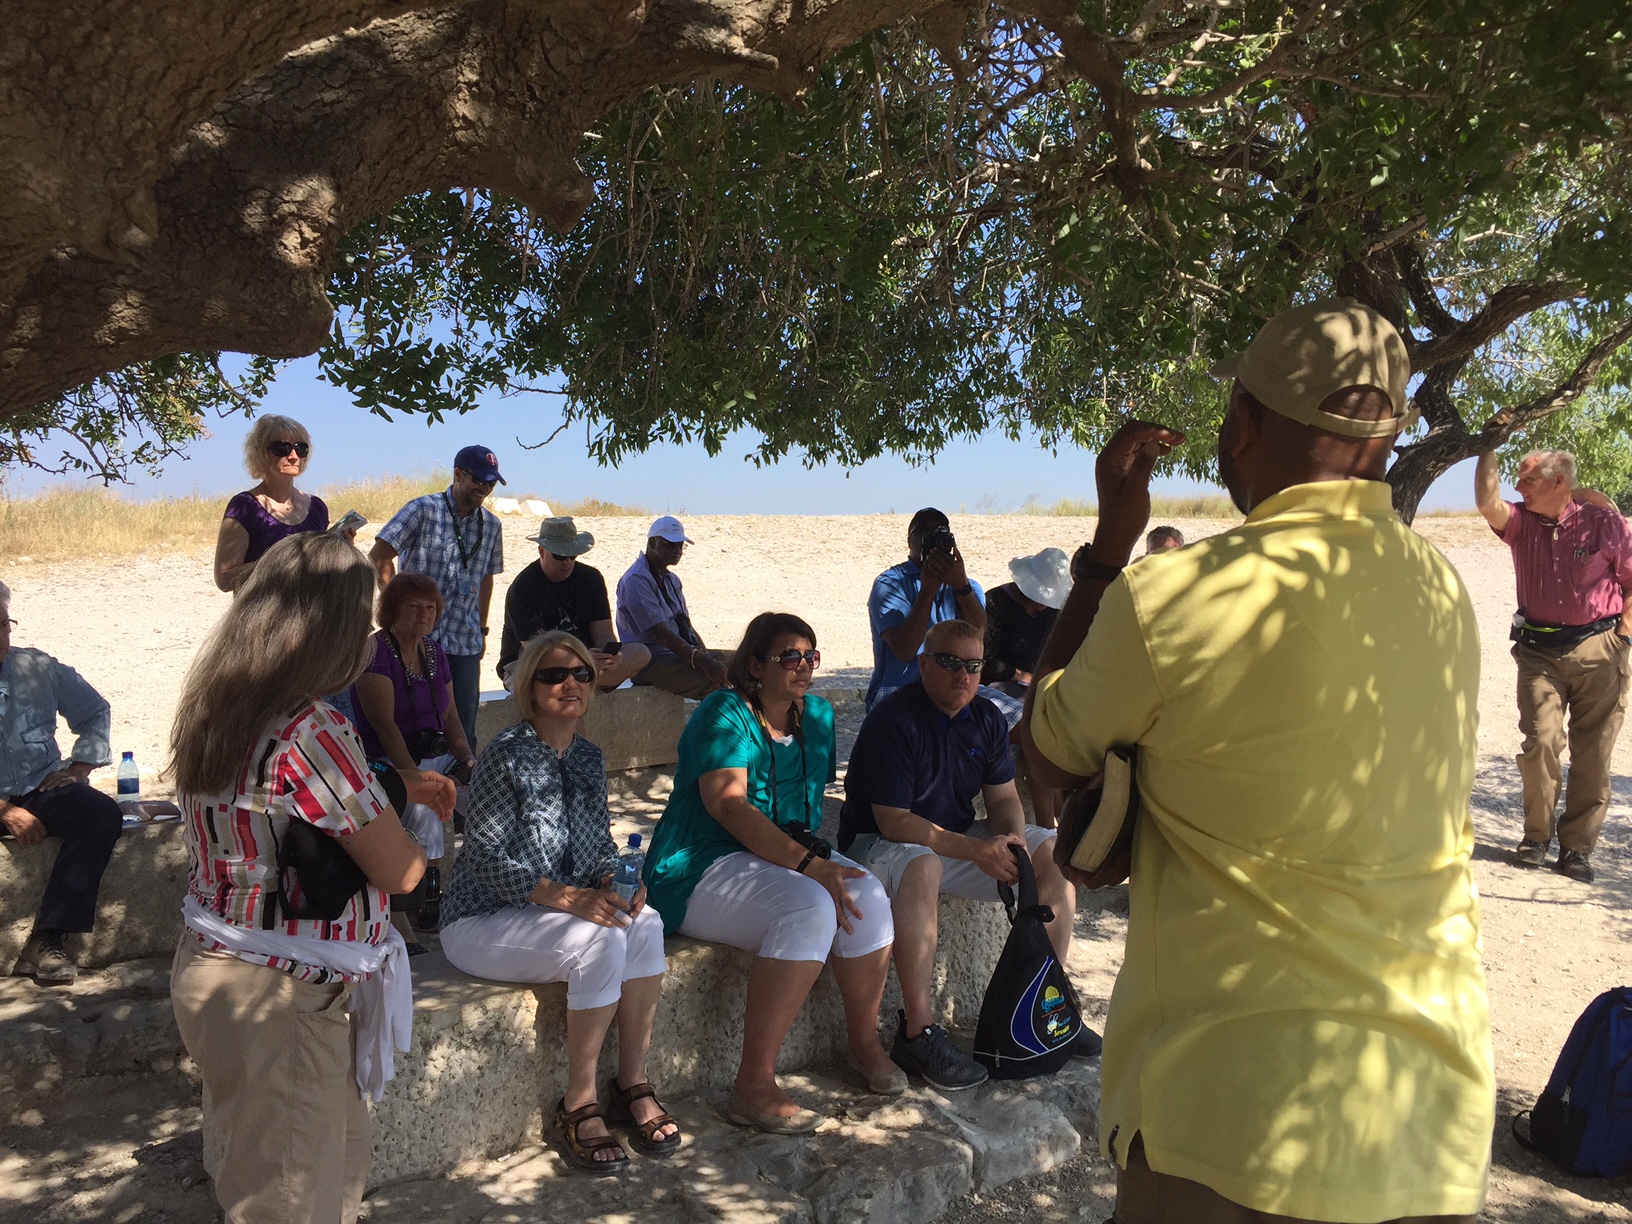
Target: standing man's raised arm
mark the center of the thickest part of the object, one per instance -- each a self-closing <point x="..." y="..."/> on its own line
<point x="1487" y="492"/>
<point x="384" y="558"/>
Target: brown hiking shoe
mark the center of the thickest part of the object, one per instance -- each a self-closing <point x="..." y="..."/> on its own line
<point x="1531" y="853"/>
<point x="1574" y="864"/>
<point x="46" y="961"/>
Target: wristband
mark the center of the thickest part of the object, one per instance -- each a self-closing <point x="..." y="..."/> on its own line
<point x="1085" y="569"/>
<point x="964" y="589"/>
<point x="805" y="862"/>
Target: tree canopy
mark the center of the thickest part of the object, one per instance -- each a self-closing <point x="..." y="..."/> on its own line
<point x="1037" y="215"/>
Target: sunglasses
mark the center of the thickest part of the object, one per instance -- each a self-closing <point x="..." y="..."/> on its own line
<point x="952" y="663"/>
<point x="553" y="676"/>
<point x="283" y="450"/>
<point x="790" y="659"/>
<point x="559" y="557"/>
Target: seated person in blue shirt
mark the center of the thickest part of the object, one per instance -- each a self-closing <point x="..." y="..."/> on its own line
<point x="929" y="587"/>
<point x="921" y="757"/>
<point x="41" y="796"/>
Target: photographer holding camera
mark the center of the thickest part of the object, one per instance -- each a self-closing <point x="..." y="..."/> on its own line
<point x="930" y="586"/>
<point x="405" y="711"/>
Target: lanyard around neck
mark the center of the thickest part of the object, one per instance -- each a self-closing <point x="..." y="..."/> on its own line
<point x="458" y="532"/>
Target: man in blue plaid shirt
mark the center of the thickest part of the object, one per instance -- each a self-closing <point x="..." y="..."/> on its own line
<point x="450" y="537"/>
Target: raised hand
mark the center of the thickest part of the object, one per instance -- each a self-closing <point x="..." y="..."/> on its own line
<point x="1122" y="475"/>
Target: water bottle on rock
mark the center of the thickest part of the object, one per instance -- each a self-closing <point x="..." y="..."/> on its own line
<point x="130" y="779"/>
<point x="626" y="879"/>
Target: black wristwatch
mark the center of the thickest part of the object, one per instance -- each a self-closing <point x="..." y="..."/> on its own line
<point x="964" y="589"/>
<point x="1085" y="569"/>
<point x="805" y="862"/>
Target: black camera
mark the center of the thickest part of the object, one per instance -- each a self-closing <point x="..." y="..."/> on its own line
<point x="427" y="743"/>
<point x="939" y="538"/>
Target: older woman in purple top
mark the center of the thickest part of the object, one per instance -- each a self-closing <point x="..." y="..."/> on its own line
<point x="275" y="451"/>
<point x="404" y="711"/>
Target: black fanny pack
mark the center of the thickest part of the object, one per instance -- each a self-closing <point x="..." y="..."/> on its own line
<point x="1557" y="639"/>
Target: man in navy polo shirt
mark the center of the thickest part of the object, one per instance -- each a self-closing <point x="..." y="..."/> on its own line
<point x="921" y="757"/>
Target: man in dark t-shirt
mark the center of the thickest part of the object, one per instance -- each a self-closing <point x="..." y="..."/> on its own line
<point x="922" y="755"/>
<point x="559" y="592"/>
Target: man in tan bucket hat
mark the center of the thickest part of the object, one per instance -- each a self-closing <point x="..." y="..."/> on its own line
<point x="1300" y="1029"/>
<point x="558" y="591"/>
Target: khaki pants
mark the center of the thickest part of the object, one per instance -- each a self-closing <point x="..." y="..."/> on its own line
<point x="1587" y="686"/>
<point x="1144" y="1196"/>
<point x="678" y="676"/>
<point x="279" y="1062"/>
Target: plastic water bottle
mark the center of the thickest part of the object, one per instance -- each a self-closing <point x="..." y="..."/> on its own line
<point x="130" y="779"/>
<point x="626" y="879"/>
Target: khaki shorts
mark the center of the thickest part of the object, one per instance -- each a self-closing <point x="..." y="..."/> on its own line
<point x="959" y="878"/>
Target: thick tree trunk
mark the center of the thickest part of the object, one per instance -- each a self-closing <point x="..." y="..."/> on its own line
<point x="233" y="245"/>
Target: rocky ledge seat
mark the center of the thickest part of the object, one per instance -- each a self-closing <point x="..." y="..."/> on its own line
<point x="489" y="1059"/>
<point x="138" y="913"/>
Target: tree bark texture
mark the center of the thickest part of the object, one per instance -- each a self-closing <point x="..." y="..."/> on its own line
<point x="178" y="174"/>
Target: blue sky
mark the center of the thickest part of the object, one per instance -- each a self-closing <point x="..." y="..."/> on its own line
<point x="351" y="444"/>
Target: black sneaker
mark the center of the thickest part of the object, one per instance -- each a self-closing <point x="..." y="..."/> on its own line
<point x="933" y="1058"/>
<point x="1531" y="853"/>
<point x="1088" y="1044"/>
<point x="1574" y="864"/>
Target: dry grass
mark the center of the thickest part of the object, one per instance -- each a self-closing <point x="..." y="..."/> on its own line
<point x="594" y="507"/>
<point x="1195" y="506"/>
<point x="71" y="523"/>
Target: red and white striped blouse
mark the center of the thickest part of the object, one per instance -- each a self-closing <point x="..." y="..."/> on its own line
<point x="309" y="767"/>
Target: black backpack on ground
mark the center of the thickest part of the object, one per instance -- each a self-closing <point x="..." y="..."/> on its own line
<point x="1029" y="1019"/>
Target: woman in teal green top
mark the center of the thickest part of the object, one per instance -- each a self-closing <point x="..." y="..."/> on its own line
<point x="727" y="864"/>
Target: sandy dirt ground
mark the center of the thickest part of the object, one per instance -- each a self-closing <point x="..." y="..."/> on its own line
<point x="131" y="627"/>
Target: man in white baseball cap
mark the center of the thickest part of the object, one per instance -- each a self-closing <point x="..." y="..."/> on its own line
<point x="652" y="610"/>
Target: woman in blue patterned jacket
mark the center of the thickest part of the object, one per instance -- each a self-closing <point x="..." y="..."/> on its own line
<point x="531" y="901"/>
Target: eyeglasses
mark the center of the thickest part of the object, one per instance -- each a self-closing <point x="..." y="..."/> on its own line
<point x="790" y="659"/>
<point x="283" y="450"/>
<point x="553" y="676"/>
<point x="559" y="557"/>
<point x="952" y="663"/>
<point x="6" y="622"/>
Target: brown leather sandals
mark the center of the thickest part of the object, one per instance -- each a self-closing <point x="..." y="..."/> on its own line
<point x="642" y="1134"/>
<point x="581" y="1152"/>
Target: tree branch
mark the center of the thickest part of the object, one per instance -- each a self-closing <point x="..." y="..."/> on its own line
<point x="488" y="94"/>
<point x="1503" y="308"/>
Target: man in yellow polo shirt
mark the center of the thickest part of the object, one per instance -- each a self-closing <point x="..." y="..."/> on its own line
<point x="1300" y="1029"/>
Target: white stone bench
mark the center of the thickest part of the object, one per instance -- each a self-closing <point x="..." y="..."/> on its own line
<point x="138" y="909"/>
<point x="635" y="727"/>
<point x="489" y="1060"/>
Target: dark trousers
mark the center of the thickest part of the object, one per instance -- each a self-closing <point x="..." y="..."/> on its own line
<point x="465" y="678"/>
<point x="1144" y="1196"/>
<point x="88" y="822"/>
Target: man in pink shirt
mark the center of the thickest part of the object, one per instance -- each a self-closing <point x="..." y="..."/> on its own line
<point x="1572" y="555"/>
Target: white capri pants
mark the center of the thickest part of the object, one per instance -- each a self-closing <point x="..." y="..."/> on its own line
<point x="421" y="821"/>
<point x="959" y="877"/>
<point x="749" y="903"/>
<point x="533" y="943"/>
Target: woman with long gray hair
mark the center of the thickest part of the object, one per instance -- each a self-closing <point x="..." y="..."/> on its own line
<point x="260" y="986"/>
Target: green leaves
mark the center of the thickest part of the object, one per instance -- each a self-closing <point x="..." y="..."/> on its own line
<point x="1031" y="244"/>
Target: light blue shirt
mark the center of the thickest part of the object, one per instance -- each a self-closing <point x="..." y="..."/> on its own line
<point x="34" y="689"/>
<point x="431" y="539"/>
<point x="894" y="593"/>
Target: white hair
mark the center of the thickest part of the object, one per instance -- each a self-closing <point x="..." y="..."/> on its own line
<point x="1550" y="463"/>
<point x="5" y="596"/>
